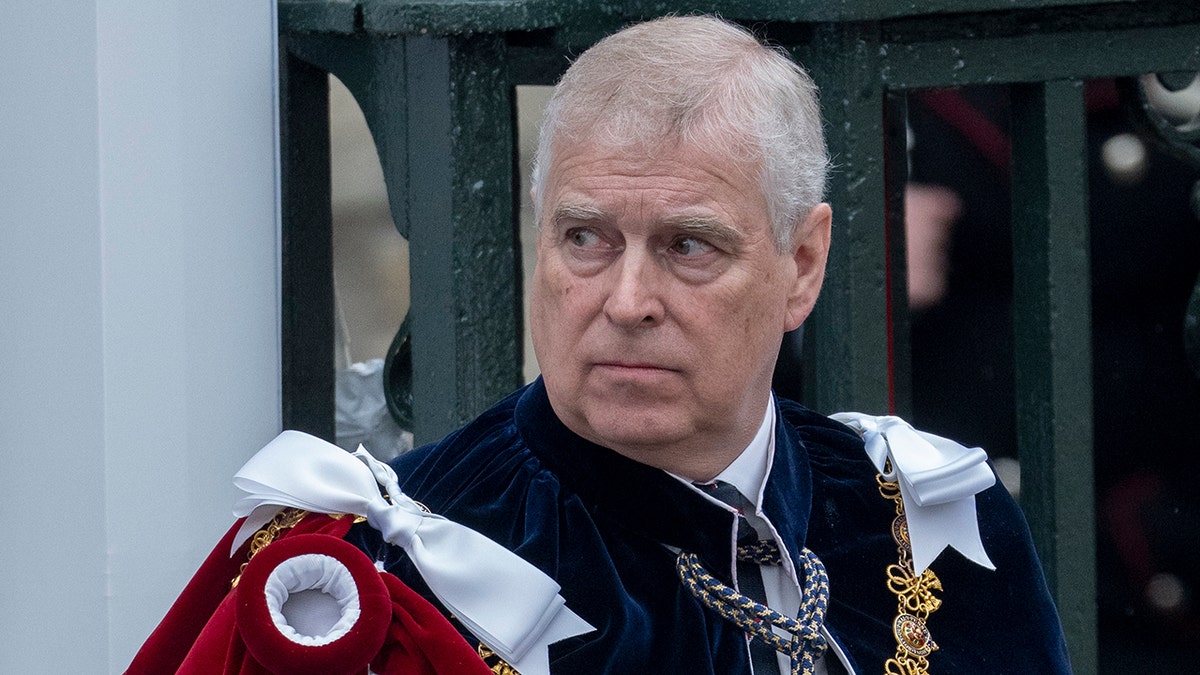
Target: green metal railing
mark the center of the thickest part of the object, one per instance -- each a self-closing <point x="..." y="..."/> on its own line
<point x="436" y="84"/>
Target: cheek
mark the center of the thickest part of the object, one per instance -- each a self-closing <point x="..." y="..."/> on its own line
<point x="748" y="325"/>
<point x="558" y="290"/>
<point x="555" y="297"/>
<point x="548" y="280"/>
<point x="542" y="303"/>
<point x="749" y="316"/>
<point x="744" y="304"/>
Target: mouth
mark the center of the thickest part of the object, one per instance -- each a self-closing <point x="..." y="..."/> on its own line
<point x="632" y="368"/>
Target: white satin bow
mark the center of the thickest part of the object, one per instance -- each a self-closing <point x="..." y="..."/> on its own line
<point x="509" y="604"/>
<point x="938" y="480"/>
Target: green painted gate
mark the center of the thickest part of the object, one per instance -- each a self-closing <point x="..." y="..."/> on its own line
<point x="436" y="80"/>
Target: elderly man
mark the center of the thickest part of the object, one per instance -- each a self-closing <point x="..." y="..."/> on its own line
<point x="678" y="189"/>
<point x="648" y="505"/>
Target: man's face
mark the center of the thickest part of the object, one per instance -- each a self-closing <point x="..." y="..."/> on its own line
<point x="659" y="300"/>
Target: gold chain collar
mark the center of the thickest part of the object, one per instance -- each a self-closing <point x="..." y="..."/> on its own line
<point x="914" y="595"/>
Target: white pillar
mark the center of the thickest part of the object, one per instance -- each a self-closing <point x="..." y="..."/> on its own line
<point x="139" y="358"/>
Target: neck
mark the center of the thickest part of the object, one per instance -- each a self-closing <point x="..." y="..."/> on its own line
<point x="701" y="456"/>
<point x="696" y="466"/>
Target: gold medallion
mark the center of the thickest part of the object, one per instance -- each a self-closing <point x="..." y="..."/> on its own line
<point x="913" y="635"/>
<point x="900" y="533"/>
<point x="915" y="597"/>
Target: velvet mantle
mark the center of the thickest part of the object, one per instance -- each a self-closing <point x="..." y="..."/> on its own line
<point x="601" y="525"/>
<point x="213" y="630"/>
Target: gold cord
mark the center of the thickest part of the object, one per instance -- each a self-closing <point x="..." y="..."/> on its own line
<point x="914" y="595"/>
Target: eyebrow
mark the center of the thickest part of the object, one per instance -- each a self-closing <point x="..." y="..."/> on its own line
<point x="702" y="227"/>
<point x="709" y="229"/>
<point x="575" y="212"/>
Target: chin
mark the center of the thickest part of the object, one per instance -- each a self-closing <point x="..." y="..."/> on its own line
<point x="618" y="428"/>
<point x="623" y="417"/>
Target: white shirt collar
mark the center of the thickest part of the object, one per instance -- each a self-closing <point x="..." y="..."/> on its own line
<point x="748" y="473"/>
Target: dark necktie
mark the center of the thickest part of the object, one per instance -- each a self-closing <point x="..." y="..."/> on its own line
<point x="748" y="609"/>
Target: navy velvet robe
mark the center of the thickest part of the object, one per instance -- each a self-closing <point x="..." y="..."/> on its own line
<point x="600" y="525"/>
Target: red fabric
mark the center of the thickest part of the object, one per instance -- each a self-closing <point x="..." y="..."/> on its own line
<point x="219" y="647"/>
<point x="211" y="630"/>
<point x="421" y="641"/>
<point x="349" y="653"/>
<point x="166" y="648"/>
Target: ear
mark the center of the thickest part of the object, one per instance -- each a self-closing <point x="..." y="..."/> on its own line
<point x="810" y="248"/>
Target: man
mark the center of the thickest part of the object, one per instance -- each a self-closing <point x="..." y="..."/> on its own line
<point x="678" y="190"/>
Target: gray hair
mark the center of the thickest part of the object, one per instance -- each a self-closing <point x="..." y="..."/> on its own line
<point x="702" y="81"/>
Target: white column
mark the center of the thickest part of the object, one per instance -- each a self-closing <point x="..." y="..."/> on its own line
<point x="139" y="361"/>
<point x="51" y="344"/>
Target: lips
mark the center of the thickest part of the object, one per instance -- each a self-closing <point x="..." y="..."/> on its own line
<point x="636" y="374"/>
<point x="633" y="366"/>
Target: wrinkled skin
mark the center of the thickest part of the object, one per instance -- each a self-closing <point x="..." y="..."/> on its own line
<point x="660" y="299"/>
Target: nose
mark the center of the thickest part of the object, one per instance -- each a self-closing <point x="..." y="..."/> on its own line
<point x="634" y="298"/>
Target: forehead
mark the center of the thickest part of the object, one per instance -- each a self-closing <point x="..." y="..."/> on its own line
<point x="671" y="176"/>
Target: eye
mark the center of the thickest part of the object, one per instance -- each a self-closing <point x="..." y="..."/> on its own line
<point x="691" y="247"/>
<point x="582" y="237"/>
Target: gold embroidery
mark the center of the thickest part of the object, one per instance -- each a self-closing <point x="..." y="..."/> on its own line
<point x="284" y="520"/>
<point x="914" y="595"/>
<point x="493" y="661"/>
<point x="339" y="516"/>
